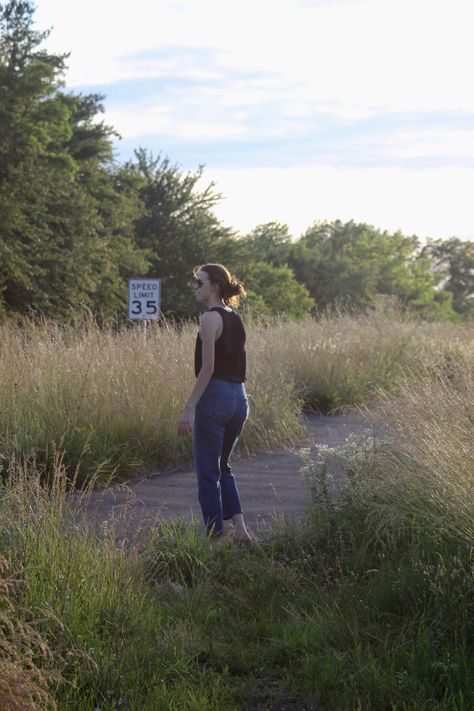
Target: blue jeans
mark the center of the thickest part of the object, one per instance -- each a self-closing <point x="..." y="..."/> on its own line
<point x="219" y="418"/>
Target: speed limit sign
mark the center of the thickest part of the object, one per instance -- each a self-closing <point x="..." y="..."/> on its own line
<point x="144" y="299"/>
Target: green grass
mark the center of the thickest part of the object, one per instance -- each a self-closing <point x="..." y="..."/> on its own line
<point x="366" y="604"/>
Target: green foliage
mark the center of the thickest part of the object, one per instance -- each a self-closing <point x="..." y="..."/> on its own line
<point x="350" y="264"/>
<point x="67" y="215"/>
<point x="270" y="243"/>
<point x="176" y="229"/>
<point x="274" y="291"/>
<point x="455" y="259"/>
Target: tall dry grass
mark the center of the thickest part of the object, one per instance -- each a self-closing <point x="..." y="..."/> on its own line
<point x="424" y="478"/>
<point x="108" y="401"/>
<point x="24" y="686"/>
<point x="390" y="549"/>
<point x="104" y="398"/>
<point x="339" y="361"/>
<point x="414" y="480"/>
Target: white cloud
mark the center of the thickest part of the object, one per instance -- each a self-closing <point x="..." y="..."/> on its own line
<point x="434" y="203"/>
<point x="395" y="53"/>
<point x="431" y="143"/>
<point x="262" y="68"/>
<point x="130" y="123"/>
<point x="192" y="130"/>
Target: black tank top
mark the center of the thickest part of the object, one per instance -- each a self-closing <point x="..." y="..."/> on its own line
<point x="229" y="353"/>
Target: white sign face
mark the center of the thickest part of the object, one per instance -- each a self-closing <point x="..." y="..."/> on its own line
<point x="144" y="296"/>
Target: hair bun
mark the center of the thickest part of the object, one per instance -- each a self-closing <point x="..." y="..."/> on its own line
<point x="233" y="288"/>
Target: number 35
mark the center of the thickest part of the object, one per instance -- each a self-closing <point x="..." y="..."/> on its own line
<point x="137" y="308"/>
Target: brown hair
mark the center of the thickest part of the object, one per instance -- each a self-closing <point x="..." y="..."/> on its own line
<point x="231" y="290"/>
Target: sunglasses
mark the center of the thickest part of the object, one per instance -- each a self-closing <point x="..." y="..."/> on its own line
<point x="198" y="283"/>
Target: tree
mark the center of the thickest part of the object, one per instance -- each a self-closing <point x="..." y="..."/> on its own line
<point x="66" y="221"/>
<point x="28" y="120"/>
<point x="274" y="291"/>
<point x="454" y="258"/>
<point x="178" y="229"/>
<point x="270" y="243"/>
<point x="349" y="264"/>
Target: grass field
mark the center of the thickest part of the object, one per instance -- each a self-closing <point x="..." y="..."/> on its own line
<point x="106" y="402"/>
<point x="368" y="604"/>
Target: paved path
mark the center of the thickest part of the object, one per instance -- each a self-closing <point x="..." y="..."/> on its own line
<point x="270" y="485"/>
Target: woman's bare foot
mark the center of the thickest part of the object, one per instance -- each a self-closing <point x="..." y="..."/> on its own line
<point x="241" y="535"/>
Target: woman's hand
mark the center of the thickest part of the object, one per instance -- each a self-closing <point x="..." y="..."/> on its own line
<point x="185" y="423"/>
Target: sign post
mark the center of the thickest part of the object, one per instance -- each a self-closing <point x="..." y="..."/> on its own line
<point x="144" y="300"/>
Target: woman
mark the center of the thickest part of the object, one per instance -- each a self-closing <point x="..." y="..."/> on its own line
<point x="218" y="399"/>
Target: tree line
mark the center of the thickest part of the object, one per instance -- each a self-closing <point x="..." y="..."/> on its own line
<point x="75" y="223"/>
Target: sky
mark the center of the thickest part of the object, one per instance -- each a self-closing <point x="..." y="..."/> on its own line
<point x="299" y="110"/>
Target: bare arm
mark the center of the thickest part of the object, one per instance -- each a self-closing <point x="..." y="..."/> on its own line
<point x="210" y="323"/>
